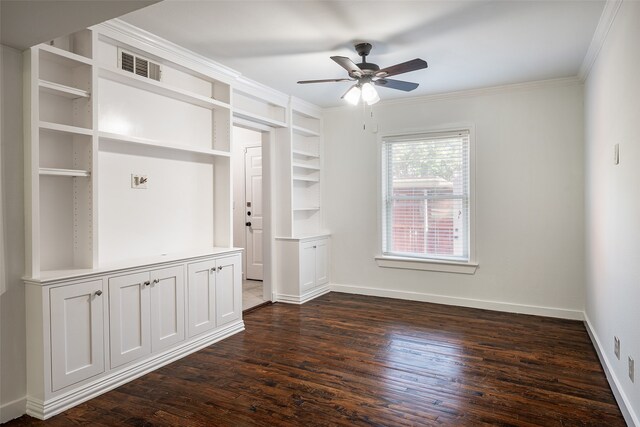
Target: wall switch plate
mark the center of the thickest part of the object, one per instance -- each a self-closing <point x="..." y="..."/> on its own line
<point x="631" y="369"/>
<point x="616" y="347"/>
<point x="616" y="154"/>
<point x="139" y="182"/>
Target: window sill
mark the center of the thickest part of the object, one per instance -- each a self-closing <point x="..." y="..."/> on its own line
<point x="426" y="264"/>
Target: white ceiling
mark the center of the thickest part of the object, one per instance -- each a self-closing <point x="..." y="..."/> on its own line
<point x="468" y="44"/>
<point x="25" y="23"/>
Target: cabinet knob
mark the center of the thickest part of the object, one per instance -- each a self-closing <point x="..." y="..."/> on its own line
<point x="98" y="292"/>
<point x="147" y="283"/>
<point x="248" y="223"/>
<point x="314" y="247"/>
<point x="219" y="268"/>
<point x="156" y="281"/>
<point x="213" y="269"/>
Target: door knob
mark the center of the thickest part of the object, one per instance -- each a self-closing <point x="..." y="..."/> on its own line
<point x="248" y="224"/>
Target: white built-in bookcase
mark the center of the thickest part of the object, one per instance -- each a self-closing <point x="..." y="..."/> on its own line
<point x="306" y="165"/>
<point x="299" y="154"/>
<point x="108" y="258"/>
<point x="89" y="126"/>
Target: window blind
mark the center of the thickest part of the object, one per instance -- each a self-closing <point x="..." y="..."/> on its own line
<point x="426" y="195"/>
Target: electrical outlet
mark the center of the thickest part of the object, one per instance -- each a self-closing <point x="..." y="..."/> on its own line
<point x="631" y="369"/>
<point x="616" y="347"/>
<point x="139" y="181"/>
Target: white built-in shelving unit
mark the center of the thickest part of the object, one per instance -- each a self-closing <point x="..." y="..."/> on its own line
<point x="60" y="151"/>
<point x="121" y="279"/>
<point x="302" y="244"/>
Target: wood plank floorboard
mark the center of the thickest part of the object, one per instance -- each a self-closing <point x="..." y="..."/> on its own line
<point x="350" y="360"/>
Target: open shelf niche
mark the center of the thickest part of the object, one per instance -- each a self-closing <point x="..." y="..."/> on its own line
<point x="60" y="145"/>
<point x="95" y="125"/>
<point x="176" y="132"/>
<point x="299" y="153"/>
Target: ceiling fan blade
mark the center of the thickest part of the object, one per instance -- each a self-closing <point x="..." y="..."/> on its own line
<point x="405" y="67"/>
<point x="349" y="65"/>
<point x="303" y="82"/>
<point x="396" y="84"/>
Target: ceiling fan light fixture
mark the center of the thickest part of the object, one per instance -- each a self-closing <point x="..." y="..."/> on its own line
<point x="369" y="94"/>
<point x="353" y="95"/>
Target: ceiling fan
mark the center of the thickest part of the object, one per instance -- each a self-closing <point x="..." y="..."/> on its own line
<point x="367" y="74"/>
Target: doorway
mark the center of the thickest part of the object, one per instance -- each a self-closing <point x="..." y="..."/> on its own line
<point x="249" y="213"/>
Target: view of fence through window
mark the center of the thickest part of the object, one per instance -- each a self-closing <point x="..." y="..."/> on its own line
<point x="426" y="196"/>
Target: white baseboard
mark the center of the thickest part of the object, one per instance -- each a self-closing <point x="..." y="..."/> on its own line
<point x="463" y="302"/>
<point x="43" y="410"/>
<point x="623" y="401"/>
<point x="307" y="296"/>
<point x="12" y="410"/>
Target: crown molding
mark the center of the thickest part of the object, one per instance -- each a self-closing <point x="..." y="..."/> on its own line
<point x="305" y="107"/>
<point x="492" y="90"/>
<point x="260" y="91"/>
<point x="609" y="13"/>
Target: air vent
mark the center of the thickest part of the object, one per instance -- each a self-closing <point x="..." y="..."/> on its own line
<point x="132" y="63"/>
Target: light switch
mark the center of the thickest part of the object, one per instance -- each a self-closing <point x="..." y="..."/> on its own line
<point x="616" y="154"/>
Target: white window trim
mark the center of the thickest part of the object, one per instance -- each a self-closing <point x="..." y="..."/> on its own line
<point x="428" y="264"/>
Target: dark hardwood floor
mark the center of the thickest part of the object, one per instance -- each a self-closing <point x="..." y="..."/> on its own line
<point x="355" y="360"/>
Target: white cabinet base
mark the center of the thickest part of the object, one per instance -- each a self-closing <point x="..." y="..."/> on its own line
<point x="43" y="410"/>
<point x="304" y="297"/>
<point x="137" y="312"/>
<point x="302" y="269"/>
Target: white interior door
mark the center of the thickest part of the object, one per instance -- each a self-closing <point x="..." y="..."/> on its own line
<point x="253" y="212"/>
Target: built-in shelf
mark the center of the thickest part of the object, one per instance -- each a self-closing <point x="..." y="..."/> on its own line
<point x="62" y="90"/>
<point x="150" y="85"/>
<point x="306" y="179"/>
<point x="305" y="166"/>
<point x="108" y="136"/>
<point x="305" y="153"/>
<point x="307" y="208"/>
<point x="57" y="127"/>
<point x="257" y="118"/>
<point x="64" y="172"/>
<point x="304" y="131"/>
<point x="68" y="59"/>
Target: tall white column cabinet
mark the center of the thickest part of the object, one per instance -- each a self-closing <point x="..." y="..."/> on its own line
<point x="302" y="244"/>
<point x="128" y="191"/>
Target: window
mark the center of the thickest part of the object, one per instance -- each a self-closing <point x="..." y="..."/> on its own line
<point x="426" y="196"/>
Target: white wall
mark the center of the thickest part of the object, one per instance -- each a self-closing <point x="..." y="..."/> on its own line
<point x="241" y="138"/>
<point x="612" y="113"/>
<point x="12" y="306"/>
<point x="529" y="192"/>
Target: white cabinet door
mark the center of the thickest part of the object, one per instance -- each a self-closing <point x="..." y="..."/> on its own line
<point x="129" y="305"/>
<point x="201" y="284"/>
<point x="167" y="307"/>
<point x="322" y="267"/>
<point x="77" y="349"/>
<point x="307" y="266"/>
<point x="228" y="289"/>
